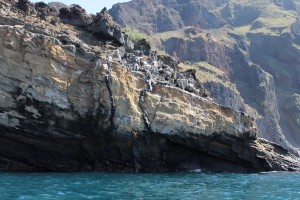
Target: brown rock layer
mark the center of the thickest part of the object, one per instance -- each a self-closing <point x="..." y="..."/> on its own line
<point x="63" y="110"/>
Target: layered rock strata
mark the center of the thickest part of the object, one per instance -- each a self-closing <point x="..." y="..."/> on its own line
<point x="241" y="41"/>
<point x="63" y="107"/>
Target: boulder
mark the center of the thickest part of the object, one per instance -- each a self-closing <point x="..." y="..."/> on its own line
<point x="76" y="16"/>
<point x="26" y="6"/>
<point x="57" y="5"/>
<point x="104" y="27"/>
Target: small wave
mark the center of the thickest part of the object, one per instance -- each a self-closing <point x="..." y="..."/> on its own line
<point x="197" y="170"/>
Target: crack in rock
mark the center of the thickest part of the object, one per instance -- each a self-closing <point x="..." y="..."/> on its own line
<point x="112" y="100"/>
<point x="145" y="113"/>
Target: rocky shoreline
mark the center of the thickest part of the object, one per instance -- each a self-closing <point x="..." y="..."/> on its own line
<point x="87" y="99"/>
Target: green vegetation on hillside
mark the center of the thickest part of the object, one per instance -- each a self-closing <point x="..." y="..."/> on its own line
<point x="272" y="19"/>
<point x="206" y="72"/>
<point x="154" y="40"/>
<point x="135" y="34"/>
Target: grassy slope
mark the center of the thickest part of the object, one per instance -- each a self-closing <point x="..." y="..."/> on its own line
<point x="273" y="22"/>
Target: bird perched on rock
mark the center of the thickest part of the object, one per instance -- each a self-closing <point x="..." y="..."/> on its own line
<point x="108" y="58"/>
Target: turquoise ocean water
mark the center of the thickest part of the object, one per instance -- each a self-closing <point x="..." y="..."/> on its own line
<point x="149" y="186"/>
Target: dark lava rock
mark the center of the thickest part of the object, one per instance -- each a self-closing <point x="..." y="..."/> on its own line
<point x="104" y="27"/>
<point x="26" y="6"/>
<point x="143" y="46"/>
<point x="75" y="16"/>
<point x="54" y="21"/>
<point x="168" y="60"/>
<point x="57" y="5"/>
<point x="44" y="10"/>
<point x="101" y="25"/>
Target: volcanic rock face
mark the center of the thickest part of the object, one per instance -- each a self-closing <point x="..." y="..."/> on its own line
<point x="242" y="48"/>
<point x="75" y="16"/>
<point x="64" y="107"/>
<point x="101" y="25"/>
<point x="161" y="16"/>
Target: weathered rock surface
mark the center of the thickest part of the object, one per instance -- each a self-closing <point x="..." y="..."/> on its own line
<point x="64" y="108"/>
<point x="161" y="16"/>
<point x="101" y="25"/>
<point x="75" y="16"/>
<point x="57" y="5"/>
<point x="257" y="53"/>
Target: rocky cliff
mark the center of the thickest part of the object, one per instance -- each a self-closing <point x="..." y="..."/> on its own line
<point x="77" y="95"/>
<point x="249" y="50"/>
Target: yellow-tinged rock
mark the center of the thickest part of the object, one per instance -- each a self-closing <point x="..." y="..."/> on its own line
<point x="58" y="54"/>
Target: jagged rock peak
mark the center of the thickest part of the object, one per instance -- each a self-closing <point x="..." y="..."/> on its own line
<point x="57" y="5"/>
<point x="26" y="6"/>
<point x="75" y="15"/>
<point x="100" y="25"/>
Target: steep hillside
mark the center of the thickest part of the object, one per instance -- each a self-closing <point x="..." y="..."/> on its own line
<point x="76" y="94"/>
<point x="253" y="44"/>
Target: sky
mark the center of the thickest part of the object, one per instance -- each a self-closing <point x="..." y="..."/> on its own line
<point x="91" y="6"/>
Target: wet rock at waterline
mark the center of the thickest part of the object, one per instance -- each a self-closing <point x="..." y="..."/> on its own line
<point x="70" y="101"/>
